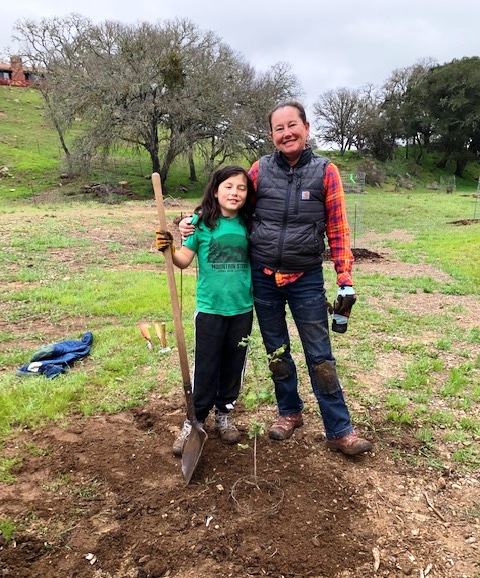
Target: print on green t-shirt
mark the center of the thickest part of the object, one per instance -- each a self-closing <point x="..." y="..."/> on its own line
<point x="224" y="285"/>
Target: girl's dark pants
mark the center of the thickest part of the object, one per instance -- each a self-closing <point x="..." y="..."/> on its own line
<point x="219" y="361"/>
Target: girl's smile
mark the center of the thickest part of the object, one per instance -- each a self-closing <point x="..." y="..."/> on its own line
<point x="231" y="195"/>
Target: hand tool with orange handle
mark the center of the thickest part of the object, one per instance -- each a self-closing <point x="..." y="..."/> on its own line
<point x="144" y="330"/>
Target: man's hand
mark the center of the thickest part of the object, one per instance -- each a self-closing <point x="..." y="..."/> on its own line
<point x="342" y="308"/>
<point x="163" y="240"/>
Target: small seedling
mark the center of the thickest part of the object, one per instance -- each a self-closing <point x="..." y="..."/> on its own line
<point x="256" y="428"/>
<point x="258" y="390"/>
<point x="251" y="494"/>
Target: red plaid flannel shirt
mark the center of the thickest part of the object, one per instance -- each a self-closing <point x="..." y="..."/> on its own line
<point x="338" y="231"/>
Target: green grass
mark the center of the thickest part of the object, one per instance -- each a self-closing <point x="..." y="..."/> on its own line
<point x="28" y="145"/>
<point x="7" y="469"/>
<point x="7" y="529"/>
<point x="66" y="267"/>
<point x="428" y="216"/>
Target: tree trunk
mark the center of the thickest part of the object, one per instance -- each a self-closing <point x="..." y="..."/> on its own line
<point x="152" y="139"/>
<point x="155" y="162"/>
<point x="169" y="158"/>
<point x="59" y="130"/>
<point x="418" y="152"/>
<point x="443" y="163"/>
<point x="191" y="163"/>
<point x="460" y="166"/>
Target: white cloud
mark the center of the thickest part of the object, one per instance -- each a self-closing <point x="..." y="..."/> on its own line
<point x="328" y="45"/>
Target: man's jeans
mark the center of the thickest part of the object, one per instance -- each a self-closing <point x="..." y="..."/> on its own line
<point x="307" y="302"/>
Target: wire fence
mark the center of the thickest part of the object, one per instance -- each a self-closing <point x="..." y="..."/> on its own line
<point x="476" y="210"/>
<point x="448" y="183"/>
<point x="353" y="183"/>
<point x="354" y="187"/>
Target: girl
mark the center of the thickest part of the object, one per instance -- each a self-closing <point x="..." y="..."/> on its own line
<point x="224" y="300"/>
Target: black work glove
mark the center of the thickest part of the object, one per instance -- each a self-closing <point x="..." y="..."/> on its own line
<point x="164" y="239"/>
<point x="342" y="308"/>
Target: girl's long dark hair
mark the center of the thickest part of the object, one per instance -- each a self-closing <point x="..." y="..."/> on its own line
<point x="209" y="210"/>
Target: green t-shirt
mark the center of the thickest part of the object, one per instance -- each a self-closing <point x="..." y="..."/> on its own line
<point x="224" y="285"/>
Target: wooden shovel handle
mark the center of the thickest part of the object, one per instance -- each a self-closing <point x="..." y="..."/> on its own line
<point x="177" y="317"/>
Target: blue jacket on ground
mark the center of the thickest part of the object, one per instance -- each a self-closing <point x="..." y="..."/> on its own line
<point x="51" y="360"/>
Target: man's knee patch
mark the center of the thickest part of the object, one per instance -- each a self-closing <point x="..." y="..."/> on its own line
<point x="325" y="375"/>
<point x="279" y="367"/>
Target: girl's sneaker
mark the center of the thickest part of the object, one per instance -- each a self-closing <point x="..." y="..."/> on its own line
<point x="229" y="434"/>
<point x="181" y="439"/>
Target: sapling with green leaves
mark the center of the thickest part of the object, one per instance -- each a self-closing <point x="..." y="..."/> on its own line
<point x="258" y="390"/>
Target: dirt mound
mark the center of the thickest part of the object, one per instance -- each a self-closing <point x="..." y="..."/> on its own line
<point x="104" y="497"/>
<point x="465" y="222"/>
<point x="358" y="254"/>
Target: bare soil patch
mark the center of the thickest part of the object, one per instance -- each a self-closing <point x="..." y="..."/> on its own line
<point x="465" y="222"/>
<point x="358" y="254"/>
<point x="109" y="486"/>
<point x="103" y="496"/>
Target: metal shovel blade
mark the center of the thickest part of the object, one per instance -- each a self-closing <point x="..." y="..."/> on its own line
<point x="192" y="450"/>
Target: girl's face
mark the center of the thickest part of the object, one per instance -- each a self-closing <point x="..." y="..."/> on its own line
<point x="289" y="132"/>
<point x="232" y="194"/>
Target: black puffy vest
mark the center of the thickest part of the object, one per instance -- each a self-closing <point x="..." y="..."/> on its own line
<point x="288" y="232"/>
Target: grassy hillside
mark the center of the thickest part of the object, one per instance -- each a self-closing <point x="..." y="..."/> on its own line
<point x="28" y="145"/>
<point x="30" y="149"/>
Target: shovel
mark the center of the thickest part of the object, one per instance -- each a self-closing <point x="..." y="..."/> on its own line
<point x="192" y="450"/>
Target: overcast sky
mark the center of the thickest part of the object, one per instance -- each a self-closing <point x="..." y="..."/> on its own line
<point x="329" y="45"/>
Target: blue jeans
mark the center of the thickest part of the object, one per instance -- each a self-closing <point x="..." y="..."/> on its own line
<point x="307" y="303"/>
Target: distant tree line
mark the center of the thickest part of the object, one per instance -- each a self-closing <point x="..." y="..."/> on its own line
<point x="169" y="88"/>
<point x="431" y="106"/>
<point x="173" y="89"/>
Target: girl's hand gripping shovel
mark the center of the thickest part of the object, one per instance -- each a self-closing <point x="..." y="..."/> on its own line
<point x="193" y="447"/>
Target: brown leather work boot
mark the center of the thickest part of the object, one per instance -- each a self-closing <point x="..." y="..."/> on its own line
<point x="351" y="445"/>
<point x="283" y="428"/>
